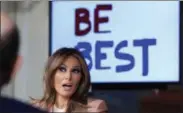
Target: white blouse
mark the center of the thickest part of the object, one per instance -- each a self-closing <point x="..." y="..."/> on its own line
<point x="56" y="109"/>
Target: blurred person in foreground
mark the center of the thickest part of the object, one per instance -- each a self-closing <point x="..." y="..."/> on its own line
<point x="67" y="83"/>
<point x="10" y="62"/>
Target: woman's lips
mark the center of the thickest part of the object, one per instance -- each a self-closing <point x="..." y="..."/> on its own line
<point x="67" y="87"/>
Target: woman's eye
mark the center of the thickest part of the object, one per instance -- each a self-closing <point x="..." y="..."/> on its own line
<point x="62" y="69"/>
<point x="76" y="71"/>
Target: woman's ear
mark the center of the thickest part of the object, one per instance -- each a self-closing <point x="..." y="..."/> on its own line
<point x="17" y="65"/>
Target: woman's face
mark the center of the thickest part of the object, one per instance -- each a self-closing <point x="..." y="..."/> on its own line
<point x="67" y="77"/>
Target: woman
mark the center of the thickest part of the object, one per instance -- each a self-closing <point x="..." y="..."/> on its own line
<point x="67" y="82"/>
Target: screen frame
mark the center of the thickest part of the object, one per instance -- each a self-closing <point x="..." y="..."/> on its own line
<point x="131" y="85"/>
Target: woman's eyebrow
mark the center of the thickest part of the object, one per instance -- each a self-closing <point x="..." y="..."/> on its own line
<point x="76" y="66"/>
<point x="63" y="65"/>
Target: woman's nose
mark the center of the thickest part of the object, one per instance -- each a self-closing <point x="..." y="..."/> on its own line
<point x="68" y="75"/>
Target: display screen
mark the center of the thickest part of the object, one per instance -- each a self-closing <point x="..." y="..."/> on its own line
<point x="121" y="41"/>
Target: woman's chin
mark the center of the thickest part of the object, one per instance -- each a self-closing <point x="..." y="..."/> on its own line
<point x="66" y="94"/>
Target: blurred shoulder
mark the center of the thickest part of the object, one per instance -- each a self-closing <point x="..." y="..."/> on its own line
<point x="78" y="107"/>
<point x="97" y="105"/>
<point x="12" y="105"/>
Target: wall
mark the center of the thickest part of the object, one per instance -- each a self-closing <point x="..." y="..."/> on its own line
<point x="34" y="30"/>
<point x="33" y="24"/>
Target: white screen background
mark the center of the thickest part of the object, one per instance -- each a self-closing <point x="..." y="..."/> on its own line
<point x="128" y="20"/>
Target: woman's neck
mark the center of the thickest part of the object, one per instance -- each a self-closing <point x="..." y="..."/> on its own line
<point x="61" y="102"/>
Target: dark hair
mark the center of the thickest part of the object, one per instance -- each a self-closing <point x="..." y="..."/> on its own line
<point x="9" y="46"/>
